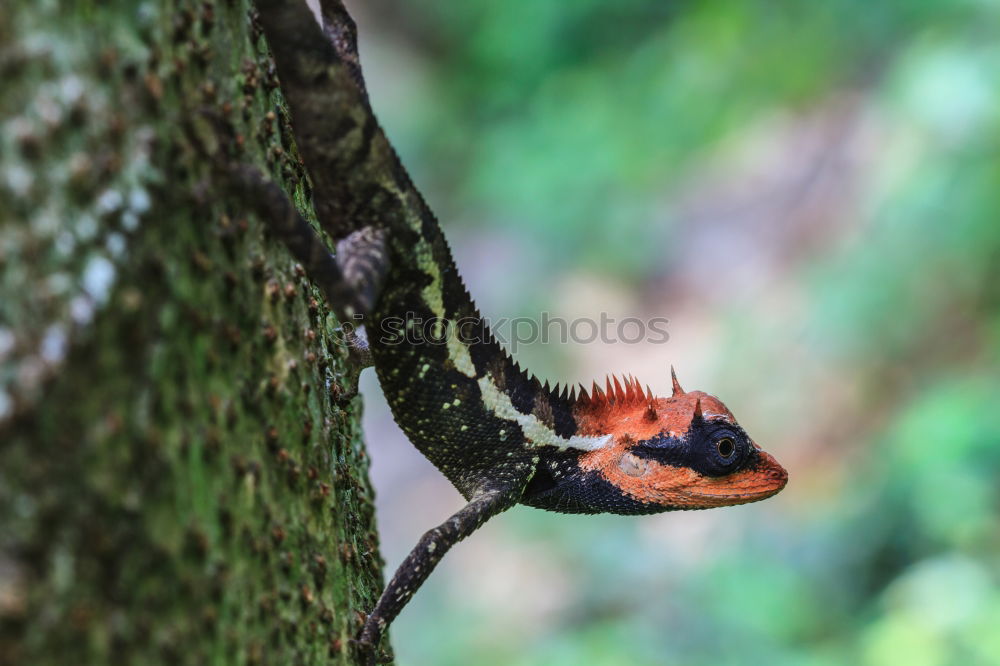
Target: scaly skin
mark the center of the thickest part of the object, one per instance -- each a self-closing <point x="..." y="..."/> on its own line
<point x="497" y="433"/>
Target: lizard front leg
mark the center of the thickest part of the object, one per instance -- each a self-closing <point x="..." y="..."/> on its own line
<point x="423" y="558"/>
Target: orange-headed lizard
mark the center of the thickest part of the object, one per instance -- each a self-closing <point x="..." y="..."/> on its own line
<point x="498" y="434"/>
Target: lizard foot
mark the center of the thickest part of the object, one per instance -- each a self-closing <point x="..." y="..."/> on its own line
<point x="367" y="654"/>
<point x="359" y="357"/>
<point x="366" y="645"/>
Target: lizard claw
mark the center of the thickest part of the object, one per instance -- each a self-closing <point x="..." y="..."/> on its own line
<point x="366" y="645"/>
<point x="359" y="353"/>
<point x="359" y="357"/>
<point x="367" y="654"/>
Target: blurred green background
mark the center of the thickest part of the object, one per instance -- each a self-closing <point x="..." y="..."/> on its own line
<point x="810" y="192"/>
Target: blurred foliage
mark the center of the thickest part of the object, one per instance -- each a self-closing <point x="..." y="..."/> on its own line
<point x="576" y="127"/>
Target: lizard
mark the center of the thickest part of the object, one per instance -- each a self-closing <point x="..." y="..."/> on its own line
<point x="498" y="434"/>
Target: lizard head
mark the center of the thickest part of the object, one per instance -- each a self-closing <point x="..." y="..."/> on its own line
<point x="682" y="452"/>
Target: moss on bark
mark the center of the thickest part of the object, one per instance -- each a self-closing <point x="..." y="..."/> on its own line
<point x="182" y="477"/>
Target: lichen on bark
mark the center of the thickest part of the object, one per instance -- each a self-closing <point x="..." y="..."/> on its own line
<point x="183" y="478"/>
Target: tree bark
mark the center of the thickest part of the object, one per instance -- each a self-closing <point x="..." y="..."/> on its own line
<point x="182" y="477"/>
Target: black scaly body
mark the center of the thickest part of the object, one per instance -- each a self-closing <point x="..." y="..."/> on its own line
<point x="359" y="183"/>
<point x="498" y="434"/>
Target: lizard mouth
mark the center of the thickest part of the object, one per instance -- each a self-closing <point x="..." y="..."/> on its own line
<point x="683" y="488"/>
<point x="765" y="478"/>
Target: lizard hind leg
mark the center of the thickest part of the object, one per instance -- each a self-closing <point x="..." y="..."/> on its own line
<point x="363" y="259"/>
<point x="285" y="222"/>
<point x="327" y="272"/>
<point x="359" y="357"/>
<point x="421" y="561"/>
<point x="350" y="281"/>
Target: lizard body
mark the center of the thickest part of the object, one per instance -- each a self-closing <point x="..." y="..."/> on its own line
<point x="497" y="433"/>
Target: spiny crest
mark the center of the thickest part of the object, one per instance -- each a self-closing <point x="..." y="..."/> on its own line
<point x="562" y="392"/>
<point x="677" y="385"/>
<point x="616" y="393"/>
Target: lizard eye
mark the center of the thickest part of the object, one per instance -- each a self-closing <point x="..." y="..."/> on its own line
<point x="725" y="450"/>
<point x="726" y="447"/>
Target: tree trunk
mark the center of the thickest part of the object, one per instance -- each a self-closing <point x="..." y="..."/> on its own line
<point x="182" y="478"/>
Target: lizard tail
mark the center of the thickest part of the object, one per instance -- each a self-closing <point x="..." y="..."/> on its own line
<point x="341" y="143"/>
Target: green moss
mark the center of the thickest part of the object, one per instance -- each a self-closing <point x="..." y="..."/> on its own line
<point x="180" y="480"/>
